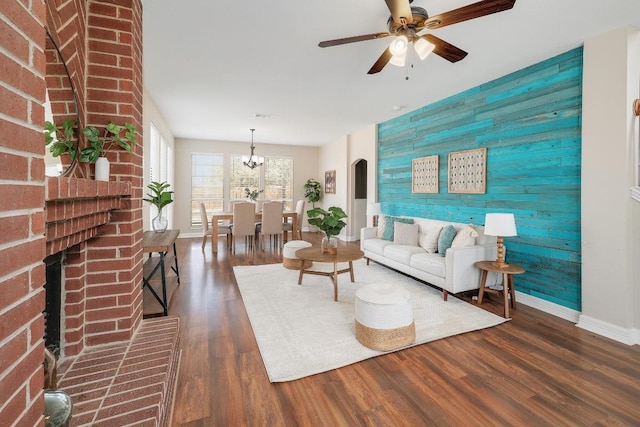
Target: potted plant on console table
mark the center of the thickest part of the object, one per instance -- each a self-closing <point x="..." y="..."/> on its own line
<point x="331" y="223"/>
<point x="160" y="198"/>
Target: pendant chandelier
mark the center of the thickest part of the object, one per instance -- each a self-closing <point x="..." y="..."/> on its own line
<point x="252" y="161"/>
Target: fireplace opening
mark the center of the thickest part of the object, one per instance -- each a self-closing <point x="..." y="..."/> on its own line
<point x="53" y="306"/>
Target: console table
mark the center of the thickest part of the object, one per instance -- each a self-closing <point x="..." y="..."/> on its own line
<point x="160" y="274"/>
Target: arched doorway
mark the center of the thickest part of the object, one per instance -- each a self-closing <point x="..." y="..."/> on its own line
<point x="359" y="198"/>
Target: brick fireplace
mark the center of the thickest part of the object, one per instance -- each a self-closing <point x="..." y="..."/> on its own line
<point x="97" y="225"/>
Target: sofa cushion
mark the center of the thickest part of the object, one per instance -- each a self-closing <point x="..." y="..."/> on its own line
<point x="389" y="225"/>
<point x="447" y="235"/>
<point x="376" y="245"/>
<point x="401" y="253"/>
<point x="429" y="240"/>
<point x="465" y="237"/>
<point x="431" y="263"/>
<point x="405" y="234"/>
<point x="382" y="222"/>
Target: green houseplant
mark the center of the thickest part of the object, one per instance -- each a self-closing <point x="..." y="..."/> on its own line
<point x="312" y="191"/>
<point x="113" y="135"/>
<point x="252" y="194"/>
<point x="61" y="139"/>
<point x="159" y="197"/>
<point x="331" y="223"/>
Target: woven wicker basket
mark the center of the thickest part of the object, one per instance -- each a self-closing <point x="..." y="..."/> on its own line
<point x="386" y="339"/>
<point x="294" y="263"/>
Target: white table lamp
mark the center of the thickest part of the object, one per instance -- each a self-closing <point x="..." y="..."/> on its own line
<point x="500" y="225"/>
<point x="373" y="209"/>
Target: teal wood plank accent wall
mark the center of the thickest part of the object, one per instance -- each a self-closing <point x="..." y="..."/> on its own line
<point x="530" y="123"/>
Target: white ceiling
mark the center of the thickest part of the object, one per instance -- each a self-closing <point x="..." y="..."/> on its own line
<point x="210" y="66"/>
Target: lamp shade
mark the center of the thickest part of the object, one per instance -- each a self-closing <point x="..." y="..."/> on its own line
<point x="373" y="209"/>
<point x="423" y="48"/>
<point x="398" y="60"/>
<point x="398" y="47"/>
<point x="500" y="224"/>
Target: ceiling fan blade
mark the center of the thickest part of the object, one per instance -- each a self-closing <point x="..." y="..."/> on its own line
<point x="381" y="62"/>
<point x="400" y="9"/>
<point x="465" y="13"/>
<point x="444" y="49"/>
<point x="336" y="42"/>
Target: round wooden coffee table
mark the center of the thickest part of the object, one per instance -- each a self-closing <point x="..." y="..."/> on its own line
<point x="315" y="254"/>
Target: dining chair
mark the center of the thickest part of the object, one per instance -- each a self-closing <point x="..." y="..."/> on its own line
<point x="244" y="225"/>
<point x="207" y="231"/>
<point x="271" y="224"/>
<point x="288" y="226"/>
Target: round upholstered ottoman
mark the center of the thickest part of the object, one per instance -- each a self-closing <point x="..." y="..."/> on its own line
<point x="289" y="258"/>
<point x="384" y="317"/>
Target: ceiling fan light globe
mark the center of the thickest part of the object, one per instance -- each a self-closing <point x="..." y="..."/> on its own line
<point x="398" y="60"/>
<point x="398" y="46"/>
<point x="423" y="48"/>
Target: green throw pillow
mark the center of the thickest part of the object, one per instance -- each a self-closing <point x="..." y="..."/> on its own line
<point x="387" y="234"/>
<point x="447" y="235"/>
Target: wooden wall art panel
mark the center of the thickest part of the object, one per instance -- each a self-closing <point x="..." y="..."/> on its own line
<point x="468" y="171"/>
<point x="424" y="175"/>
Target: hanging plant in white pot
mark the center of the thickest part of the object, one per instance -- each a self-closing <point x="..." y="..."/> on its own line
<point x="99" y="145"/>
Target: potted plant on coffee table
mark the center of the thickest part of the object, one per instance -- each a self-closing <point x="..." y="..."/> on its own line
<point x="160" y="198"/>
<point x="331" y="223"/>
<point x="121" y="136"/>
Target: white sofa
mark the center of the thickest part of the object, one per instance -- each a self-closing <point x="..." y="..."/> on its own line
<point x="454" y="273"/>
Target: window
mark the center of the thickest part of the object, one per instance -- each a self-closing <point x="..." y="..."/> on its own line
<point x="207" y="185"/>
<point x="278" y="180"/>
<point x="242" y="177"/>
<point x="160" y="157"/>
<point x="210" y="185"/>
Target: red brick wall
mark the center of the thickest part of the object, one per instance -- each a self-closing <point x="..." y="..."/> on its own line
<point x="102" y="43"/>
<point x="22" y="242"/>
<point x="114" y="92"/>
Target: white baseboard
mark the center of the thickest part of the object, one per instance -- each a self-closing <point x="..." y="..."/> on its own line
<point x="189" y="235"/>
<point x="548" y="307"/>
<point x="626" y="336"/>
<point x="629" y="336"/>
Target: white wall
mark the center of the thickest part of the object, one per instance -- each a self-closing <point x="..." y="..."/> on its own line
<point x="305" y="166"/>
<point x="152" y="115"/>
<point x="362" y="146"/>
<point x="341" y="155"/>
<point x="610" y="244"/>
<point x="334" y="156"/>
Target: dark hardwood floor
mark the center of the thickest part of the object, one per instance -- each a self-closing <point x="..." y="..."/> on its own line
<point x="535" y="370"/>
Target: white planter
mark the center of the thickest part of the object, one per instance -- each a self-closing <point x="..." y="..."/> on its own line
<point x="102" y="169"/>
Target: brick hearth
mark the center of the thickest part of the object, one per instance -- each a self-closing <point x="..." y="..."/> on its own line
<point x="129" y="383"/>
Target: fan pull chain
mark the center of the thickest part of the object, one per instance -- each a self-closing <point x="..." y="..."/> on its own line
<point x="409" y="63"/>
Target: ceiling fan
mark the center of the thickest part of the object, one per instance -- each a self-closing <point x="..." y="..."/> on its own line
<point x="407" y="21"/>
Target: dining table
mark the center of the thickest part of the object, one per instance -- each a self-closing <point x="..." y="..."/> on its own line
<point x="222" y="216"/>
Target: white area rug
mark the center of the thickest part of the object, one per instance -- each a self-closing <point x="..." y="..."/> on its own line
<point x="302" y="331"/>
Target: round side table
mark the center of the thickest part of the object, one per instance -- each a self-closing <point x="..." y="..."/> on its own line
<point x="508" y="287"/>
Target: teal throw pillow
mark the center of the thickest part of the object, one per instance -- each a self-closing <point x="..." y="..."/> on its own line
<point x="389" y="226"/>
<point x="447" y="235"/>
